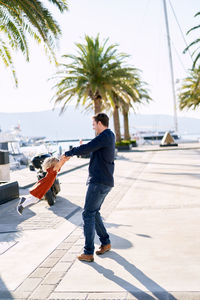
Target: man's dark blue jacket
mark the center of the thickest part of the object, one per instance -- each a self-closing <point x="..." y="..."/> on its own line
<point x="102" y="149"/>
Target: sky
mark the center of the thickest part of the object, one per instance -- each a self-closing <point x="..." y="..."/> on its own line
<point x="137" y="26"/>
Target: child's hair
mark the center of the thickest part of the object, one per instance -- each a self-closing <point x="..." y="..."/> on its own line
<point x="49" y="162"/>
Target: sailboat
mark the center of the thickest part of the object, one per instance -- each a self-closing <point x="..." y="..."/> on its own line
<point x="156" y="136"/>
<point x="10" y="141"/>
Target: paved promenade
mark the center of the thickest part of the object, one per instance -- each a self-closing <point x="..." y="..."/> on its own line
<point x="153" y="218"/>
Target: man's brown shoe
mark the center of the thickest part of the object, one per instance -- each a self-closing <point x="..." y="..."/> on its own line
<point x="103" y="249"/>
<point x="86" y="257"/>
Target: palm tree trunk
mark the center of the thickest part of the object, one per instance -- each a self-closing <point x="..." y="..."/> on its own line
<point x="97" y="105"/>
<point x="126" y="125"/>
<point x="117" y="123"/>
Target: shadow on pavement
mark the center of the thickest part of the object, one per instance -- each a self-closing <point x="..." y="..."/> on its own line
<point x="147" y="282"/>
<point x="5" y="294"/>
<point x="121" y="157"/>
<point x="10" y="220"/>
<point x="167" y="183"/>
<point x="109" y="274"/>
<point x="65" y="208"/>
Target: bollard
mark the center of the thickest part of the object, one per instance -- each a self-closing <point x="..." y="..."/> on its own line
<point x="8" y="190"/>
<point x="4" y="146"/>
<point x="4" y="166"/>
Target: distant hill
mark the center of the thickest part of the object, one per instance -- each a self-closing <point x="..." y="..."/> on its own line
<point x="76" y="124"/>
<point x="71" y="124"/>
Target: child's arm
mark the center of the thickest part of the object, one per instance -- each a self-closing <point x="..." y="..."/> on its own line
<point x="60" y="163"/>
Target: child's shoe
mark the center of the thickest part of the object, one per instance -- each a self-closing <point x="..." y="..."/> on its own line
<point x="20" y="208"/>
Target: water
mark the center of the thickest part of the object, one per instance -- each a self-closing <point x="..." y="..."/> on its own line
<point x="191" y="137"/>
<point x="56" y="148"/>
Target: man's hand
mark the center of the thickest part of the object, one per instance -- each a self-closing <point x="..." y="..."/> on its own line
<point x="65" y="158"/>
<point x="61" y="162"/>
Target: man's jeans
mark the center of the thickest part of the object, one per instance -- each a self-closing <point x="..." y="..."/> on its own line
<point x="95" y="196"/>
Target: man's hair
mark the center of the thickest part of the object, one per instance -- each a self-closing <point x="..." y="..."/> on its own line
<point x="103" y="118"/>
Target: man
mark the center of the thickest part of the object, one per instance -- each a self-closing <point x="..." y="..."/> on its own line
<point x="100" y="181"/>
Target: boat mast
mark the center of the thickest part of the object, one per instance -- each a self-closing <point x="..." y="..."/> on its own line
<point x="171" y="66"/>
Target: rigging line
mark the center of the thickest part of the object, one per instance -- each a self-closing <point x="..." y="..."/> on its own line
<point x="181" y="62"/>
<point x="182" y="34"/>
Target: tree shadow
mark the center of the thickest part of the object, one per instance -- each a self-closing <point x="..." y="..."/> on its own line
<point x="10" y="220"/>
<point x="168" y="183"/>
<point x="147" y="282"/>
<point x="164" y="183"/>
<point x="5" y="293"/>
<point x="195" y="175"/>
<point x="121" y="157"/>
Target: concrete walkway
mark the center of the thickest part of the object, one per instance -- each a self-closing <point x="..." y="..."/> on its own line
<point x="153" y="218"/>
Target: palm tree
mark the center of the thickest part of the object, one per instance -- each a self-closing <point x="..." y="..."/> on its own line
<point x="99" y="78"/>
<point x="21" y="17"/>
<point x="138" y="94"/>
<point x="91" y="75"/>
<point x="189" y="96"/>
<point x="116" y="120"/>
<point x="113" y="104"/>
<point x="132" y="90"/>
<point x="195" y="42"/>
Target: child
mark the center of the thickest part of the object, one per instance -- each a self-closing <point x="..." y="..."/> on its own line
<point x="51" y="165"/>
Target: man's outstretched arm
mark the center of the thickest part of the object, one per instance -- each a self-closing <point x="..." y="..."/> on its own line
<point x="95" y="144"/>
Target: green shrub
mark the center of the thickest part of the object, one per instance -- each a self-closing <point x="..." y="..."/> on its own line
<point x="133" y="141"/>
<point x="123" y="143"/>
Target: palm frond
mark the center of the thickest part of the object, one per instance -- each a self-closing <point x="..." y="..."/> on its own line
<point x="21" y="17"/>
<point x="189" y="96"/>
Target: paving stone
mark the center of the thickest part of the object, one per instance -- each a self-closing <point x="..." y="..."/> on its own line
<point x="20" y="295"/>
<point x="64" y="246"/>
<point x="69" y="257"/>
<point x="40" y="272"/>
<point x="185" y="295"/>
<point x="42" y="292"/>
<point x="76" y="249"/>
<point x="57" y="253"/>
<point x="148" y="295"/>
<point x="79" y="231"/>
<point x="53" y="277"/>
<point x="131" y="297"/>
<point x="67" y="296"/>
<point x="29" y="284"/>
<point x="61" y="267"/>
<point x="6" y="295"/>
<point x="80" y="242"/>
<point x="50" y="262"/>
<point x="164" y="295"/>
<point x="107" y="296"/>
<point x="72" y="238"/>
